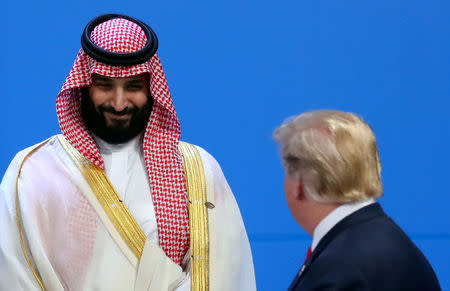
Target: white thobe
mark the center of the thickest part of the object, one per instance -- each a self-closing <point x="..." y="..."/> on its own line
<point x="73" y="245"/>
<point x="125" y="167"/>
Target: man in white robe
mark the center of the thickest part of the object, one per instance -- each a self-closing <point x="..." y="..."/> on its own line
<point x="117" y="202"/>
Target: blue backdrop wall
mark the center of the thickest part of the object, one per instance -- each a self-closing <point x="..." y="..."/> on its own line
<point x="237" y="69"/>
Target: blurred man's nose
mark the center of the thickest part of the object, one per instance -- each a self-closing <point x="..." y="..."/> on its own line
<point x="119" y="99"/>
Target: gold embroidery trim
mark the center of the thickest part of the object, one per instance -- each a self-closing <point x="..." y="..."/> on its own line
<point x="108" y="197"/>
<point x="198" y="216"/>
<point x="19" y="223"/>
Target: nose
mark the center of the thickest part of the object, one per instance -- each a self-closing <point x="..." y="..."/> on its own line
<point x="119" y="99"/>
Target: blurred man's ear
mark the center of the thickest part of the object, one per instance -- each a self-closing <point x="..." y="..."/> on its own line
<point x="300" y="194"/>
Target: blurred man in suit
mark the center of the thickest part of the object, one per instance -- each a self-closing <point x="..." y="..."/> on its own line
<point x="332" y="180"/>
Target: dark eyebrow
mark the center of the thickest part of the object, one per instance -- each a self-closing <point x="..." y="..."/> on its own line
<point x="136" y="82"/>
<point x="100" y="78"/>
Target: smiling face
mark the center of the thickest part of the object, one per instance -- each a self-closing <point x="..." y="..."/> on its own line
<point x="117" y="109"/>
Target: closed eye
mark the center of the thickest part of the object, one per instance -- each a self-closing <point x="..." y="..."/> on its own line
<point x="102" y="85"/>
<point x="135" y="86"/>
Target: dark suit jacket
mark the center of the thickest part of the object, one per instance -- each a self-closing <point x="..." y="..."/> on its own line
<point x="366" y="251"/>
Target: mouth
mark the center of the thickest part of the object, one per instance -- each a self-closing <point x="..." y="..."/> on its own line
<point x="111" y="115"/>
<point x="117" y="120"/>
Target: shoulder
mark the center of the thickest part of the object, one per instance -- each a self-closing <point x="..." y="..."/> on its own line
<point x="207" y="159"/>
<point x="8" y="182"/>
<point x="23" y="154"/>
<point x="380" y="235"/>
<point x="365" y="249"/>
<point x="34" y="161"/>
<point x="216" y="183"/>
<point x="360" y="242"/>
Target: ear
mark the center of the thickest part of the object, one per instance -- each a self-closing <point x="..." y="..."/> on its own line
<point x="300" y="195"/>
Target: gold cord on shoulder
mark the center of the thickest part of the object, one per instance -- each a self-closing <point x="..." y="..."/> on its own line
<point x="198" y="216"/>
<point x="19" y="223"/>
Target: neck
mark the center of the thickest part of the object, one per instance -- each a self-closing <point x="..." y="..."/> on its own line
<point x="315" y="212"/>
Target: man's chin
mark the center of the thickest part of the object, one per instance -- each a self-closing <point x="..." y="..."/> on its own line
<point x="121" y="124"/>
<point x="118" y="129"/>
<point x="116" y="134"/>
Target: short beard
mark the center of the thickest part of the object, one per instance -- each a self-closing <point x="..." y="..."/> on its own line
<point x="94" y="119"/>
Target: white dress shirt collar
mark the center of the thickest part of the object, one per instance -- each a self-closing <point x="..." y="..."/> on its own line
<point x="334" y="217"/>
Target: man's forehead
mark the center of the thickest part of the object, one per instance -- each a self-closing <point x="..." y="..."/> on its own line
<point x="140" y="77"/>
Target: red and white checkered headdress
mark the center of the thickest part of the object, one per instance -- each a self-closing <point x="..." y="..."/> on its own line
<point x="160" y="146"/>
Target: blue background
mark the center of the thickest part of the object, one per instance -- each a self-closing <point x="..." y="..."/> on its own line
<point x="237" y="69"/>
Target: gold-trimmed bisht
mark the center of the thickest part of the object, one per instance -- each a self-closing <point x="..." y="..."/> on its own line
<point x="198" y="216"/>
<point x="19" y="223"/>
<point x="108" y="197"/>
<point x="125" y="223"/>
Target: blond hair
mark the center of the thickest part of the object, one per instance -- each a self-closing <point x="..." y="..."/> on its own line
<point x="335" y="153"/>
